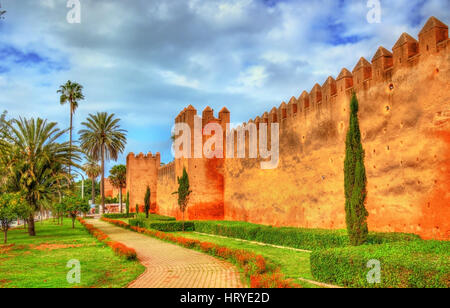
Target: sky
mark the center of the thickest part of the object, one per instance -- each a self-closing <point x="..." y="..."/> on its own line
<point x="145" y="60"/>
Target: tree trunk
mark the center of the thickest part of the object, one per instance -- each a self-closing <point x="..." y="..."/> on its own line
<point x="93" y="191"/>
<point x="183" y="221"/>
<point x="70" y="137"/>
<point x="6" y="236"/>
<point x="102" y="186"/>
<point x="73" y="222"/>
<point x="31" y="230"/>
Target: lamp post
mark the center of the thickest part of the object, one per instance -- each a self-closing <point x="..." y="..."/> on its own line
<point x="82" y="183"/>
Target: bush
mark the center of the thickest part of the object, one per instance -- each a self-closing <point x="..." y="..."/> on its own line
<point x="161" y="217"/>
<point x="260" y="272"/>
<point x="118" y="216"/>
<point x="172" y="226"/>
<point x="166" y="226"/>
<point x="118" y="248"/>
<point x="310" y="239"/>
<point x="416" y="264"/>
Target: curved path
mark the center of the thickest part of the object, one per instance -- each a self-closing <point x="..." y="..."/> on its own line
<point x="172" y="266"/>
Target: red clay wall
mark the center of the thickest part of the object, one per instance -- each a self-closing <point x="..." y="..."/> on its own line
<point x="111" y="191"/>
<point x="405" y="124"/>
<point x="142" y="172"/>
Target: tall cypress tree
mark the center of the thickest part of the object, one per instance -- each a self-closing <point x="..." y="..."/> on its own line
<point x="183" y="192"/>
<point x="147" y="201"/>
<point x="355" y="180"/>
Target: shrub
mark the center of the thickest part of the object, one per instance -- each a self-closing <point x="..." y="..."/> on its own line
<point x="416" y="264"/>
<point x="165" y="226"/>
<point x="118" y="248"/>
<point x="161" y="217"/>
<point x="118" y="215"/>
<point x="171" y="226"/>
<point x="311" y="239"/>
<point x="259" y="271"/>
<point x="122" y="250"/>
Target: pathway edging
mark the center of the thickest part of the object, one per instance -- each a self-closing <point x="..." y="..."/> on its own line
<point x="172" y="266"/>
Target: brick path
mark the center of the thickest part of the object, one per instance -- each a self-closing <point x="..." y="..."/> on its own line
<point x="172" y="266"/>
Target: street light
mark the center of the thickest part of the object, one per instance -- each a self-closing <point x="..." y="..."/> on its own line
<point x="82" y="183"/>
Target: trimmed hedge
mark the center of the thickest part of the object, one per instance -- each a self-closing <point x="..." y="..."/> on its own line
<point x="311" y="239"/>
<point x="161" y="217"/>
<point x="417" y="264"/>
<point x="118" y="216"/>
<point x="166" y="226"/>
<point x="260" y="273"/>
<point x="141" y="216"/>
<point x="118" y="248"/>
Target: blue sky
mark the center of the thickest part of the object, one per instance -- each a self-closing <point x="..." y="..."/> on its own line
<point x="145" y="60"/>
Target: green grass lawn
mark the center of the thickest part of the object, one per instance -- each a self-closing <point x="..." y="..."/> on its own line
<point x="40" y="262"/>
<point x="293" y="264"/>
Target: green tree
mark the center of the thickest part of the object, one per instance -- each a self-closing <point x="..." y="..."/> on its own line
<point x="183" y="192"/>
<point x="12" y="205"/>
<point x="147" y="201"/>
<point x="71" y="93"/>
<point x="92" y="170"/>
<point x="60" y="209"/>
<point x="74" y="206"/>
<point x="118" y="178"/>
<point x="37" y="163"/>
<point x="355" y="180"/>
<point x="137" y="209"/>
<point x="85" y="207"/>
<point x="103" y="139"/>
<point x="4" y="159"/>
<point x="127" y="204"/>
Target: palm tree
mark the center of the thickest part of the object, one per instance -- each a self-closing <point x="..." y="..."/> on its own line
<point x="118" y="178"/>
<point x="71" y="93"/>
<point x="37" y="163"/>
<point x="103" y="139"/>
<point x="92" y="170"/>
<point x="2" y="13"/>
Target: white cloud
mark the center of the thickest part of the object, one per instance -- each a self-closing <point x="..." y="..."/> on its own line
<point x="251" y="79"/>
<point x="179" y="80"/>
<point x="147" y="60"/>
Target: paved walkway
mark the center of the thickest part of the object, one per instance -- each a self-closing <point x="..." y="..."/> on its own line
<point x="172" y="266"/>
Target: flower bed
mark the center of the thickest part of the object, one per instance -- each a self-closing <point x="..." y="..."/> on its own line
<point x="118" y="248"/>
<point x="260" y="272"/>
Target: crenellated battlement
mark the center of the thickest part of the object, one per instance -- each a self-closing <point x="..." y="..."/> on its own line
<point x="406" y="53"/>
<point x="167" y="170"/>
<point x="189" y="113"/>
<point x="141" y="155"/>
<point x="320" y="102"/>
